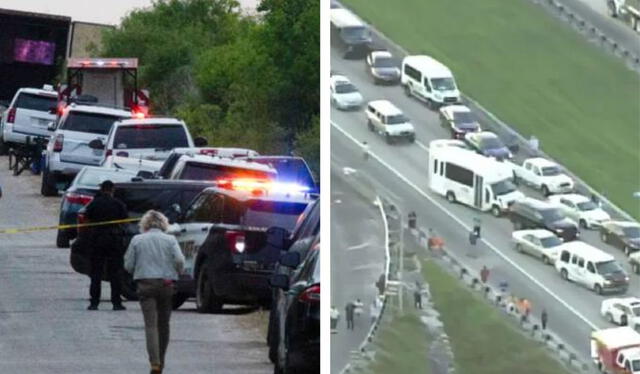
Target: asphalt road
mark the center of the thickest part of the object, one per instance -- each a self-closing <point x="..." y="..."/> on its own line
<point x="44" y="327"/>
<point x="405" y="173"/>
<point x="357" y="260"/>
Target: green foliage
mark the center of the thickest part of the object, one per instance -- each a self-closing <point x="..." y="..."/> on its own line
<point x="237" y="80"/>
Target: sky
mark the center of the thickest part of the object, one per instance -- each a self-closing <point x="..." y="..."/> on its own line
<point x="90" y="10"/>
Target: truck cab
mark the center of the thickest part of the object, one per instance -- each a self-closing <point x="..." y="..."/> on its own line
<point x="616" y="350"/>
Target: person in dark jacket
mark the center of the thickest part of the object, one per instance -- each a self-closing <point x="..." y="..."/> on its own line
<point x="108" y="246"/>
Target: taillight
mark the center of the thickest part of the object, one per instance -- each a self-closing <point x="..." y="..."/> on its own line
<point x="235" y="241"/>
<point x="311" y="294"/>
<point x="77" y="198"/>
<point x="108" y="153"/>
<point x="11" y="117"/>
<point x="81" y="220"/>
<point x="58" y="142"/>
<point x="209" y="152"/>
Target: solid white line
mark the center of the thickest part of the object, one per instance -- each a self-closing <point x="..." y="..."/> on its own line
<point x="359" y="246"/>
<point x="421" y="145"/>
<point x="468" y="228"/>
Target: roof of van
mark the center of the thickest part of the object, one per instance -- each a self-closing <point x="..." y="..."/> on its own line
<point x="385" y="106"/>
<point x="99" y="110"/>
<point x="38" y="91"/>
<point x="341" y="17"/>
<point x="481" y="164"/>
<point x="587" y="251"/>
<point x="617" y="337"/>
<point x="423" y="62"/>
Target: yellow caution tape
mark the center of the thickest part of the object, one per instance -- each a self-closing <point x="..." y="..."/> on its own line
<point x="65" y="227"/>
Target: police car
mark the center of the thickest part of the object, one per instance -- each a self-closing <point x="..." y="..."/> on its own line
<point x="223" y="235"/>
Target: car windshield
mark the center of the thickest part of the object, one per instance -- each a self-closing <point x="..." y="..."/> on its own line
<point x="344" y="88"/>
<point x="92" y="123"/>
<point x="587" y="206"/>
<point x="164" y="137"/>
<point x="290" y="170"/>
<point x="503" y="187"/>
<point x="608" y="267"/>
<point x="550" y="241"/>
<point x="443" y="84"/>
<point x="211" y="172"/>
<point x="93" y="178"/>
<point x="635" y="365"/>
<point x="40" y="103"/>
<point x="397" y="119"/>
<point x="636" y="311"/>
<point x="261" y="213"/>
<point x="490" y="142"/>
<point x="355" y="33"/>
<point x="383" y="62"/>
<point x="551" y="215"/>
<point x="550" y="171"/>
<point x="463" y="117"/>
<point x="631" y="232"/>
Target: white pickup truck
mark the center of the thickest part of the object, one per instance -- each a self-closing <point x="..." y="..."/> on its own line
<point x="628" y="10"/>
<point x="542" y="174"/>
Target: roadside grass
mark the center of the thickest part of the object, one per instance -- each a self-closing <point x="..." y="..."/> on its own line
<point x="483" y="340"/>
<point x="401" y="344"/>
<point x="536" y="74"/>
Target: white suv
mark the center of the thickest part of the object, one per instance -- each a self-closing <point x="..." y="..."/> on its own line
<point x="29" y="114"/>
<point x="387" y="120"/>
<point x="146" y="139"/>
<point x="68" y="151"/>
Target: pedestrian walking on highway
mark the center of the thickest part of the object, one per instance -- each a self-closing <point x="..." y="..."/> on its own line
<point x="155" y="260"/>
<point x="349" y="314"/>
<point x="417" y="298"/>
<point x="335" y="317"/>
<point x="365" y="150"/>
<point x="543" y="319"/>
<point x="374" y="310"/>
<point x="484" y="274"/>
<point x="108" y="244"/>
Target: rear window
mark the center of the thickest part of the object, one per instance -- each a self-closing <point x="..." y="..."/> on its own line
<point x="161" y="137"/>
<point x="260" y="213"/>
<point x="93" y="178"/>
<point x="140" y="200"/>
<point x="209" y="172"/>
<point x="290" y="170"/>
<point x="92" y="123"/>
<point x="36" y="102"/>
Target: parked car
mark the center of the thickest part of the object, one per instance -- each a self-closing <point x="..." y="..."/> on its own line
<point x="622" y="234"/>
<point x="530" y="213"/>
<point x="542" y="174"/>
<point x="538" y="242"/>
<point x="291" y="170"/>
<point x="298" y="314"/>
<point x="387" y="120"/>
<point x="487" y="144"/>
<point x="382" y="67"/>
<point x="212" y="168"/>
<point x="581" y="209"/>
<point x="80" y="193"/>
<point x="459" y="120"/>
<point x="166" y="169"/>
<point x="344" y="95"/>
<point x="621" y="311"/>
<point x="69" y="151"/>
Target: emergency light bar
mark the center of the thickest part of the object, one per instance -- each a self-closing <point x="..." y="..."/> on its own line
<point x="261" y="185"/>
<point x="102" y="63"/>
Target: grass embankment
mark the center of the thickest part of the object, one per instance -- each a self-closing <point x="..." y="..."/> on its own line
<point x="483" y="340"/>
<point x="401" y="345"/>
<point x="535" y="73"/>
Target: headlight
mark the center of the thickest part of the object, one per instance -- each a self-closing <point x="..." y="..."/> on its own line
<point x="437" y="96"/>
<point x="607" y="282"/>
<point x="559" y="231"/>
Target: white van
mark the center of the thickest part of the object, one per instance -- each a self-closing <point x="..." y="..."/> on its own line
<point x="592" y="268"/>
<point x="387" y="120"/>
<point x="463" y="176"/>
<point x="429" y="80"/>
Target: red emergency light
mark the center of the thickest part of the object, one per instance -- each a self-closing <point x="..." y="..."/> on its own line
<point x="102" y="63"/>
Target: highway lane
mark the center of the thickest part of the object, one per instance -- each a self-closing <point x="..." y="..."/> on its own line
<point x="45" y="327"/>
<point x="357" y="260"/>
<point x="410" y="161"/>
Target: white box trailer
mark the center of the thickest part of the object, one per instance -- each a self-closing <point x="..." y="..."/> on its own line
<point x="463" y="176"/>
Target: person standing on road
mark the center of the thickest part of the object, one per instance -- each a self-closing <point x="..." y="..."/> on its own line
<point x="417" y="298"/>
<point x="349" y="314"/>
<point x="108" y="244"/>
<point x="543" y="319"/>
<point x="335" y="317"/>
<point x="155" y="260"/>
<point x="484" y="274"/>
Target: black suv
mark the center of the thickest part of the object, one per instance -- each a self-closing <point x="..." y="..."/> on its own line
<point x="166" y="196"/>
<point x="299" y="315"/>
<point x="535" y="214"/>
<point x="299" y="241"/>
<point x="223" y="235"/>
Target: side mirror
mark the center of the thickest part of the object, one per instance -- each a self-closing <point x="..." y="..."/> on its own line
<point x="145" y="174"/>
<point x="290" y="259"/>
<point x="279" y="281"/>
<point x="51" y="126"/>
<point x="200" y="142"/>
<point x="277" y="237"/>
<point x="96" y="144"/>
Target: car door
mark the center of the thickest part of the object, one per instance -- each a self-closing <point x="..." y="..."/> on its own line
<point x="570" y="209"/>
<point x="589" y="274"/>
<point x="533" y="245"/>
<point x="193" y="229"/>
<point x="616" y="237"/>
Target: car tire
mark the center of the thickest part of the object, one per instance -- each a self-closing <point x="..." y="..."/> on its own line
<point x="635" y="268"/>
<point x="516" y="180"/>
<point x="48" y="187"/>
<point x="564" y="274"/>
<point x="611" y="9"/>
<point x="519" y="248"/>
<point x="451" y="197"/>
<point x="623" y="321"/>
<point x="370" y="125"/>
<point x="388" y="139"/>
<point x="597" y="289"/>
<point x="407" y="90"/>
<point x="4" y="148"/>
<point x="62" y="239"/>
<point x="496" y="211"/>
<point x="546" y="260"/>
<point x="206" y="300"/>
<point x="128" y="287"/>
<point x="545" y="190"/>
<point x="604" y="237"/>
<point x="583" y="224"/>
<point x="272" y="337"/>
<point x="179" y="298"/>
<point x="627" y="250"/>
<point x="609" y="318"/>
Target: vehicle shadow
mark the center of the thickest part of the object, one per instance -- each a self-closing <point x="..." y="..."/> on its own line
<point x="234" y="310"/>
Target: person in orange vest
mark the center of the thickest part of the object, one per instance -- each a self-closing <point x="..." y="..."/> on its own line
<point x="525" y="309"/>
<point x="484" y="274"/>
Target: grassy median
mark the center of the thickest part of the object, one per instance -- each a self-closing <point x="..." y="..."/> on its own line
<point x="483" y="340"/>
<point x="401" y="345"/>
<point x="535" y="73"/>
